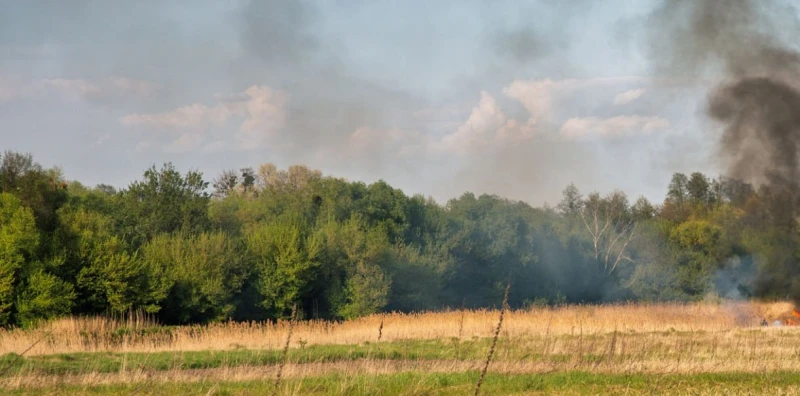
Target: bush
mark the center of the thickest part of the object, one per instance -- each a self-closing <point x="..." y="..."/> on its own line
<point x="45" y="297"/>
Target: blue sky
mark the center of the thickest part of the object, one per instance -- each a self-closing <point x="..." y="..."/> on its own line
<point x="512" y="98"/>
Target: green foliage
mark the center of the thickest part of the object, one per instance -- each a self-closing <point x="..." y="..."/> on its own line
<point x="698" y="188"/>
<point x="697" y="236"/>
<point x="203" y="273"/>
<point x="19" y="239"/>
<point x="285" y="257"/>
<point x="367" y="289"/>
<point x="41" y="190"/>
<point x="415" y="280"/>
<point x="119" y="281"/>
<point x="271" y="240"/>
<point x="44" y="297"/>
<point x="572" y="201"/>
<point x="163" y="202"/>
<point x="366" y="253"/>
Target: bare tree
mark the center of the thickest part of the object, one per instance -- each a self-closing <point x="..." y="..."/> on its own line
<point x="611" y="227"/>
<point x="270" y="177"/>
<point x="225" y="183"/>
<point x="296" y="177"/>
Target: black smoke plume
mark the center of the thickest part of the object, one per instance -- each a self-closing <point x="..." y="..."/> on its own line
<point x="744" y="45"/>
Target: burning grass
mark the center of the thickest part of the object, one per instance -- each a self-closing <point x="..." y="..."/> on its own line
<point x="613" y="340"/>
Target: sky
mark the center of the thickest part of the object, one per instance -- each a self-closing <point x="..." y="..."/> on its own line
<point x="512" y="98"/>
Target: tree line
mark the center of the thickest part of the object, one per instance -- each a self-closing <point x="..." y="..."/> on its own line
<point x="253" y="244"/>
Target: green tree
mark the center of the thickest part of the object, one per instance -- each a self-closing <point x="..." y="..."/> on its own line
<point x="698" y="236"/>
<point x="697" y="255"/>
<point x="206" y="272"/>
<point x="19" y="241"/>
<point x="44" y="297"/>
<point x="285" y="255"/>
<point x="41" y="190"/>
<point x="698" y="188"/>
<point x="163" y="202"/>
<point x="367" y="289"/>
<point x="642" y="209"/>
<point x="367" y="252"/>
<point x="571" y="202"/>
<point x="415" y="280"/>
<point x="118" y="281"/>
<point x="678" y="191"/>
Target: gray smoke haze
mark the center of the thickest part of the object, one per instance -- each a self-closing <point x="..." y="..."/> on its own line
<point x="346" y="104"/>
<point x="284" y="42"/>
<point x="757" y="102"/>
<point x="521" y="45"/>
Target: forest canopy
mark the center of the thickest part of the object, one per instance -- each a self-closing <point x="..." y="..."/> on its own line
<point x="255" y="243"/>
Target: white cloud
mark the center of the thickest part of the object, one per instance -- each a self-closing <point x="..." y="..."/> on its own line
<point x="486" y="125"/>
<point x="192" y="116"/>
<point x="485" y="118"/>
<point x="265" y="116"/>
<point x="589" y="127"/>
<point x="262" y="108"/>
<point x="628" y="96"/>
<point x="489" y="127"/>
<point x="537" y="96"/>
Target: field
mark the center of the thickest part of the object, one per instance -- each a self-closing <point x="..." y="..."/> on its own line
<point x="702" y="348"/>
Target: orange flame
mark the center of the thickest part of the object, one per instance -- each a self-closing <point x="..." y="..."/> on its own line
<point x="794" y="320"/>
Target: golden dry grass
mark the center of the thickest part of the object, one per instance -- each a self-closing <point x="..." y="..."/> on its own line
<point x="103" y="335"/>
<point x="610" y="339"/>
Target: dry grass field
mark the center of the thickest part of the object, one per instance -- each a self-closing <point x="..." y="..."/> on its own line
<point x="707" y="348"/>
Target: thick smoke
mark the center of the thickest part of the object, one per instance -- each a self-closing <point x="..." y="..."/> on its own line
<point x="758" y="98"/>
<point x="757" y="103"/>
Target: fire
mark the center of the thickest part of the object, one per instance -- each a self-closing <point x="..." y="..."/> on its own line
<point x="786" y="318"/>
<point x="795" y="319"/>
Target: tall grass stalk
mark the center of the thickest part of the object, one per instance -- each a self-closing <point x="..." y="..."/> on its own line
<point x="494" y="340"/>
<point x="285" y="351"/>
<point x="461" y="324"/>
<point x="380" y="328"/>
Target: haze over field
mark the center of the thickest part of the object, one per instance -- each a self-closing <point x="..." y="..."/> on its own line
<point x="435" y="98"/>
<point x="361" y="197"/>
